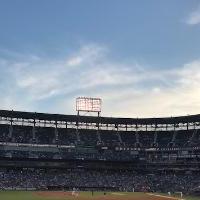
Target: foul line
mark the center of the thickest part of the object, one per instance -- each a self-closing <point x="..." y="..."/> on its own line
<point x="158" y="195"/>
<point x="115" y="193"/>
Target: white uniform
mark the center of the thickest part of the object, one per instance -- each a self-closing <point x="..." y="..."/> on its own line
<point x="74" y="192"/>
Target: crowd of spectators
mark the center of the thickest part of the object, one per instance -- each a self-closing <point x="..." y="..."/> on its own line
<point x="95" y="145"/>
<point x="116" y="180"/>
<point x="69" y="136"/>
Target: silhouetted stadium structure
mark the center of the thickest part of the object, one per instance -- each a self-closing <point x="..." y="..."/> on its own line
<point x="53" y="151"/>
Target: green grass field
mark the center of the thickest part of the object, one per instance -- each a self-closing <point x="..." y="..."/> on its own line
<point x="24" y="195"/>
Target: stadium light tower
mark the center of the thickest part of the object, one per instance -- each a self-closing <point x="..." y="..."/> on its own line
<point x="88" y="104"/>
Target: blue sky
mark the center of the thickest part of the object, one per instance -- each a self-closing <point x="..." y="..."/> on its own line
<point x="141" y="57"/>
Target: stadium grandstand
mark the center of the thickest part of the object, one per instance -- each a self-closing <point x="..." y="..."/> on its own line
<point x="40" y="151"/>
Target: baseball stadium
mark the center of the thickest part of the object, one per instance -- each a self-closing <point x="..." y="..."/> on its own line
<point x="54" y="156"/>
<point x="99" y="100"/>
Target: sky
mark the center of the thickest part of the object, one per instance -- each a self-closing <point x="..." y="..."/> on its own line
<point x="141" y="57"/>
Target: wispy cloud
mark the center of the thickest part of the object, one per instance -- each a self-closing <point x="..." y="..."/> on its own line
<point x="129" y="89"/>
<point x="87" y="54"/>
<point x="194" y="17"/>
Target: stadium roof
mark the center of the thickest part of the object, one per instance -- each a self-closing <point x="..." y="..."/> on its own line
<point x="104" y="120"/>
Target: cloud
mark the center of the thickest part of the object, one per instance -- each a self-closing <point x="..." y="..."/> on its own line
<point x="34" y="83"/>
<point x="194" y="17"/>
<point x="87" y="54"/>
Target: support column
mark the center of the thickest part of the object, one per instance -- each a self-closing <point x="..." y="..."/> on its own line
<point x="10" y="133"/>
<point x="33" y="132"/>
<point x="77" y="128"/>
<point x="56" y="131"/>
